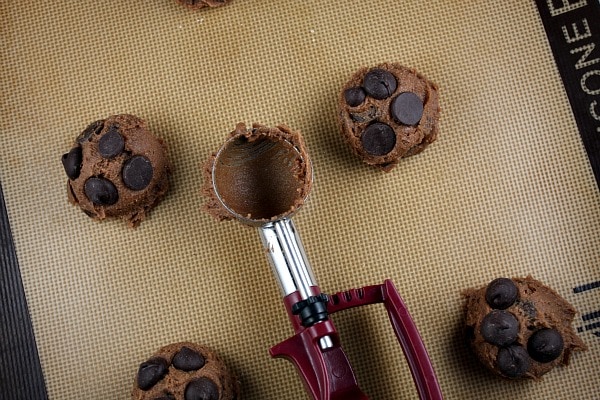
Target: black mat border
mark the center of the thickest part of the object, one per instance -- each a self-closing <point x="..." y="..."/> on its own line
<point x="573" y="30"/>
<point x="21" y="374"/>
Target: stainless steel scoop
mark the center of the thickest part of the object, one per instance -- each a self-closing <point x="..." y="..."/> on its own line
<point x="258" y="180"/>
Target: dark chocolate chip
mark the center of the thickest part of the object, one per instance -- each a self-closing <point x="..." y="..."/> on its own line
<point x="111" y="144"/>
<point x="379" y="83"/>
<point x="545" y="345"/>
<point x="187" y="359"/>
<point x="501" y="293"/>
<point x="407" y="108"/>
<point x="202" y="389"/>
<point x="101" y="191"/>
<point x="354" y="96"/>
<point x="499" y="327"/>
<point x="378" y="139"/>
<point x="513" y="361"/>
<point x="72" y="162"/>
<point x="528" y="308"/>
<point x="94" y="127"/>
<point x="357" y="117"/>
<point x="167" y="397"/>
<point x="150" y="372"/>
<point x="365" y="115"/>
<point x="137" y="173"/>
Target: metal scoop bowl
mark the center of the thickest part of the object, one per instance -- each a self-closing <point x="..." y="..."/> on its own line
<point x="261" y="175"/>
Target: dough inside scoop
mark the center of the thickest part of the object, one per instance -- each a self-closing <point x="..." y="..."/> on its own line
<point x="259" y="178"/>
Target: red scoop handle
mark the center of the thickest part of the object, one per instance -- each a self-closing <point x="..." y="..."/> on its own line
<point x="328" y="374"/>
<point x="404" y="327"/>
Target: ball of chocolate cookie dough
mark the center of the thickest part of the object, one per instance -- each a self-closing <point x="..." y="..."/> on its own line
<point x="117" y="168"/>
<point x="520" y="328"/>
<point x="185" y="371"/>
<point x="197" y="4"/>
<point x="388" y="112"/>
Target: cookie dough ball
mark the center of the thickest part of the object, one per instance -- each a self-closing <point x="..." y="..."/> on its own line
<point x="388" y="112"/>
<point x="117" y="168"/>
<point x="203" y="3"/>
<point x="520" y="328"/>
<point x="184" y="371"/>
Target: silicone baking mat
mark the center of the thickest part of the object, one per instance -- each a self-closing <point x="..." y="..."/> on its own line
<point x="506" y="190"/>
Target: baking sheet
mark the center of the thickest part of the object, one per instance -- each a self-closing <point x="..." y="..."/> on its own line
<point x="505" y="190"/>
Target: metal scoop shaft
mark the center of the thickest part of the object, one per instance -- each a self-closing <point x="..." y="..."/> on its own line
<point x="288" y="258"/>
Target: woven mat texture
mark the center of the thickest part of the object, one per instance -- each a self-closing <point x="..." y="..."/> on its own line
<point x="506" y="190"/>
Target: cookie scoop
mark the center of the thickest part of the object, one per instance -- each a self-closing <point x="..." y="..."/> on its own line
<point x="261" y="177"/>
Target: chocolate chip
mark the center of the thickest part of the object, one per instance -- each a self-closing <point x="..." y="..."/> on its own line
<point x="365" y="115"/>
<point x="378" y="139"/>
<point x="150" y="372"/>
<point x="167" y="397"/>
<point x="111" y="144"/>
<point x="202" y="389"/>
<point x="354" y="96"/>
<point x="137" y="173"/>
<point x="513" y="361"/>
<point x="379" y="83"/>
<point x="528" y="308"/>
<point x="101" y="191"/>
<point x="501" y="293"/>
<point x="187" y="359"/>
<point x="407" y="108"/>
<point x="72" y="162"/>
<point x="545" y="345"/>
<point x="499" y="327"/>
<point x="94" y="127"/>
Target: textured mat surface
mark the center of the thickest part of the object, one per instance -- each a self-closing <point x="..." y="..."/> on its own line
<point x="506" y="190"/>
